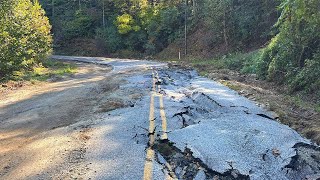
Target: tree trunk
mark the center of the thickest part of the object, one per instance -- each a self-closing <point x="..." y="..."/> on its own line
<point x="194" y="5"/>
<point x="185" y="28"/>
<point x="52" y="4"/>
<point x="103" y="15"/>
<point x="301" y="59"/>
<point x="225" y="31"/>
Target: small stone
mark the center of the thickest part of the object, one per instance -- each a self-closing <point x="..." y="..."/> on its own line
<point x="159" y="82"/>
<point x="235" y="173"/>
<point x="276" y="152"/>
<point x="200" y="175"/>
<point x="312" y="177"/>
<point x="274" y="115"/>
<point x="263" y="106"/>
<point x="161" y="159"/>
<point x="178" y="170"/>
<point x="216" y="177"/>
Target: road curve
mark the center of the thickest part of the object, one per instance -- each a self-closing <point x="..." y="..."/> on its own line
<point x="156" y="122"/>
<point x="228" y="134"/>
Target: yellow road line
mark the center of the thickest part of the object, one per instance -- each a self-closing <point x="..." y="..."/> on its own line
<point x="148" y="166"/>
<point x="151" y="122"/>
<point x="164" y="119"/>
<point x="164" y="135"/>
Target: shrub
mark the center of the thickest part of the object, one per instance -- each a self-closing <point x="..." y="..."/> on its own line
<point x="24" y="36"/>
<point x="308" y="79"/>
<point x="292" y="56"/>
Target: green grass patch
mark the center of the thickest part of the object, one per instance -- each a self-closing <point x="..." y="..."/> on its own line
<point x="297" y="100"/>
<point x="42" y="72"/>
<point x="231" y="85"/>
<point x="318" y="108"/>
<point x="243" y="62"/>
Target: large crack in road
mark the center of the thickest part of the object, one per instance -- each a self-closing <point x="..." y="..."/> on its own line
<point x="197" y="106"/>
<point x="183" y="165"/>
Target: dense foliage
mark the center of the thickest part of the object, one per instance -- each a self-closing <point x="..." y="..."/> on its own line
<point x="136" y="25"/>
<point x="149" y="26"/>
<point x="293" y="56"/>
<point x="24" y="35"/>
<point x="240" y="24"/>
<point x="288" y="28"/>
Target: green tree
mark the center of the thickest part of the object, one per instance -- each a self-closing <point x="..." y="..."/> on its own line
<point x="293" y="55"/>
<point x="24" y="36"/>
<point x="239" y="23"/>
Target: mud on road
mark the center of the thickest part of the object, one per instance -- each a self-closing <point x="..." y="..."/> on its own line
<point x="34" y="143"/>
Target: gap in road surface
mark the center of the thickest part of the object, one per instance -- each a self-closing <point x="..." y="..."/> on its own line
<point x="185" y="166"/>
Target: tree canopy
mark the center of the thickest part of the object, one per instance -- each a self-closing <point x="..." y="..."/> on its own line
<point x="287" y="30"/>
<point x="293" y="55"/>
<point x="138" y="25"/>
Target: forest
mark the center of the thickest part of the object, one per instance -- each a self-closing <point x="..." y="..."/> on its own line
<point x="283" y="34"/>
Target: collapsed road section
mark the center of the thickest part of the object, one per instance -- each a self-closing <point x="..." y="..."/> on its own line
<point x="201" y="130"/>
<point x="213" y="133"/>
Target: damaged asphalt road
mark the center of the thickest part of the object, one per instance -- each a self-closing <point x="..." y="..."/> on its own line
<point x="229" y="135"/>
<point x="171" y="123"/>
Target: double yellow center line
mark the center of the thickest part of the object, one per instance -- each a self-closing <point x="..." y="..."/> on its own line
<point x="164" y="135"/>
<point x="148" y="167"/>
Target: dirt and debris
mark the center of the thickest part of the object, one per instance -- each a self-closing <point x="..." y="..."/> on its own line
<point x="35" y="139"/>
<point x="111" y="105"/>
<point x="48" y="128"/>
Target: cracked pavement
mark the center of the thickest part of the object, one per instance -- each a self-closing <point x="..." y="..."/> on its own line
<point x="171" y="123"/>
